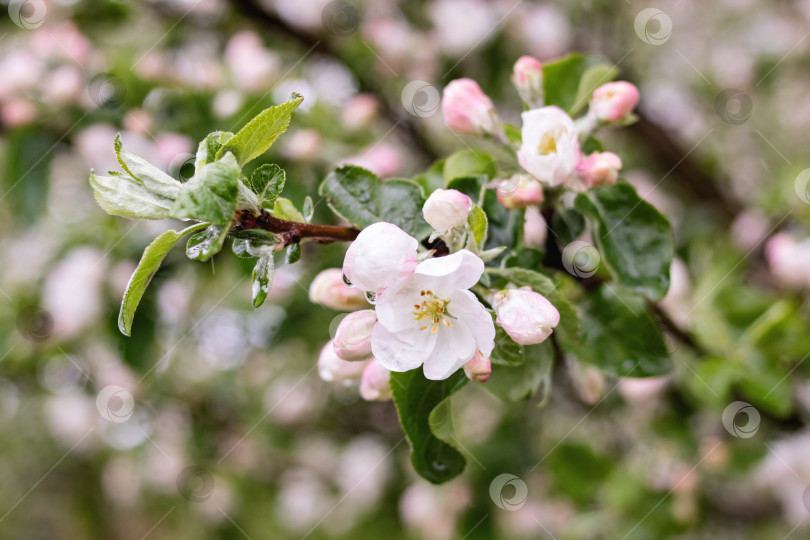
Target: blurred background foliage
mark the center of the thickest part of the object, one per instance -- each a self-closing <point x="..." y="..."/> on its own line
<point x="232" y="433"/>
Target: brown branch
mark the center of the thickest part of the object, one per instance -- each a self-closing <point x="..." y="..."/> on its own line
<point x="292" y="232"/>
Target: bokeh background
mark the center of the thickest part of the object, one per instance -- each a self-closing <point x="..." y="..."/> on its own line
<point x="211" y="421"/>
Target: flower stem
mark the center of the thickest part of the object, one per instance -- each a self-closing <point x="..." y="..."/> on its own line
<point x="292" y="232"/>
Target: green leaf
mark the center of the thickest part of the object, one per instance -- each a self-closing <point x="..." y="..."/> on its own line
<point x="619" y="336"/>
<point x="513" y="134"/>
<point x="424" y="420"/>
<point x="150" y="261"/>
<point x="285" y="209"/>
<point x="567" y="225"/>
<point x="152" y="178"/>
<point x="262" y="278"/>
<point x="524" y="257"/>
<point x="210" y="146"/>
<point x="210" y="195"/>
<point x="293" y="253"/>
<point x="468" y="163"/>
<point x="471" y="186"/>
<point x="523" y="277"/>
<point x="241" y="248"/>
<point x="635" y="240"/>
<point x="477" y="221"/>
<point x="309" y="209"/>
<point x="256" y="137"/>
<point x="204" y="245"/>
<point x="593" y="78"/>
<point x="125" y="197"/>
<point x="518" y="382"/>
<point x="359" y="197"/>
<point x="592" y="145"/>
<point x="566" y="80"/>
<point x="267" y="181"/>
<point x="506" y="351"/>
<point x="432" y="179"/>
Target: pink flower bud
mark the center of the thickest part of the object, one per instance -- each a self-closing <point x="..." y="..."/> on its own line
<point x="599" y="169"/>
<point x="353" y="337"/>
<point x="527" y="76"/>
<point x="535" y="230"/>
<point x="375" y="382"/>
<point x="447" y="209"/>
<point x="479" y="368"/>
<point x="467" y="109"/>
<point x="526" y="192"/>
<point x="328" y="289"/>
<point x="612" y="102"/>
<point x="526" y="316"/>
<point x="382" y="257"/>
<point x="333" y="368"/>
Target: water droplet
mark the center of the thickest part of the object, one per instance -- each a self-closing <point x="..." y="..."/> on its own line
<point x="346" y="281"/>
<point x="371" y="296"/>
<point x="439" y="466"/>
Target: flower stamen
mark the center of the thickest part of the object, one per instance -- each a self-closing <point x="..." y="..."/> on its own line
<point x="434" y="309"/>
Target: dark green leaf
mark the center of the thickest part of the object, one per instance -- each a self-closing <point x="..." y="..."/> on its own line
<point x="432" y="179"/>
<point x="634" y="238"/>
<point x="418" y="402"/>
<point x="506" y="351"/>
<point x="567" y="225"/>
<point x="150" y="261"/>
<point x="293" y="253"/>
<point x="256" y="137"/>
<point x="523" y="277"/>
<point x="471" y="186"/>
<point x="567" y="80"/>
<point x="619" y="336"/>
<point x="211" y="194"/>
<point x="359" y="197"/>
<point x="267" y="182"/>
<point x="505" y="226"/>
<point x="524" y="258"/>
<point x="204" y="245"/>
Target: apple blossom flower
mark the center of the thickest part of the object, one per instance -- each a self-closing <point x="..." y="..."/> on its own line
<point x="328" y="289"/>
<point x="527" y="76"/>
<point x="433" y="320"/>
<point x="353" y="336"/>
<point x="467" y="109"/>
<point x="599" y="169"/>
<point x="479" y="368"/>
<point x="375" y="382"/>
<point x="382" y="257"/>
<point x="550" y="149"/>
<point x="447" y="209"/>
<point x="528" y="317"/>
<point x="612" y="102"/>
<point x="527" y="192"/>
<point x="331" y="367"/>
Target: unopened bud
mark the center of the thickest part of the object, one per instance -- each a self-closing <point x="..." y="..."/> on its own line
<point x="599" y="169"/>
<point x="328" y="289"/>
<point x="353" y="336"/>
<point x="614" y="101"/>
<point x="527" y="76"/>
<point x="528" y="317"/>
<point x="333" y="368"/>
<point x="479" y="368"/>
<point x="467" y="109"/>
<point x="447" y="209"/>
<point x="527" y="192"/>
<point x="375" y="383"/>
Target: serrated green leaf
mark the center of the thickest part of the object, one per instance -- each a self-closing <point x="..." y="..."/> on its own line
<point x="635" y="240"/>
<point x="150" y="261"/>
<point x="285" y="209"/>
<point x="592" y="78"/>
<point x="208" y="147"/>
<point x="468" y="163"/>
<point x="262" y="131"/>
<point x="204" y="245"/>
<point x="210" y="195"/>
<point x="519" y="382"/>
<point x="262" y="278"/>
<point x="125" y="197"/>
<point x="361" y="198"/>
<point x="267" y="182"/>
<point x="618" y="335"/>
<point x="152" y="178"/>
<point x="425" y="420"/>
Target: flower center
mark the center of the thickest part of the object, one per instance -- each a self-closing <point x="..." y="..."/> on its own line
<point x="433" y="310"/>
<point x="547" y="144"/>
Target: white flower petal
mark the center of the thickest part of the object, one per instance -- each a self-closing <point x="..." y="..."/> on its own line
<point x="395" y="311"/>
<point x="476" y="318"/>
<point x="401" y="351"/>
<point x="454" y="347"/>
<point x="442" y="275"/>
<point x="382" y="257"/>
